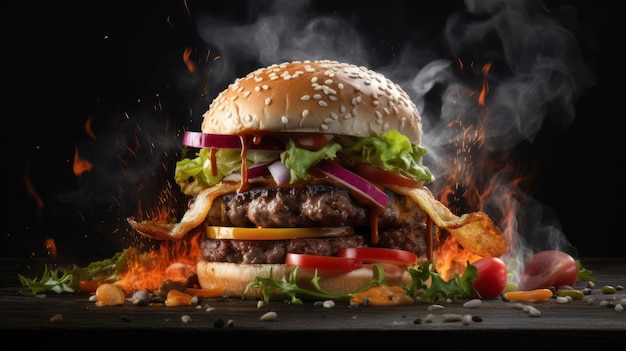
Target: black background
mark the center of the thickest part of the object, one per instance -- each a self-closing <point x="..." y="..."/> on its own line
<point x="119" y="66"/>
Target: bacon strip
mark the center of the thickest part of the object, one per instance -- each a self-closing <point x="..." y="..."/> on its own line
<point x="474" y="231"/>
<point x="194" y="216"/>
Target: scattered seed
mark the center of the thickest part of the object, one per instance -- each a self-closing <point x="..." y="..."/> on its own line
<point x="417" y="321"/>
<point x="230" y="323"/>
<point x="562" y="299"/>
<point x="429" y="318"/>
<point x="587" y="291"/>
<point x="533" y="312"/>
<point x="467" y="319"/>
<point x="140" y="298"/>
<point x="619" y="287"/>
<point x="518" y="306"/>
<point x="452" y="317"/>
<point x="622" y="302"/>
<point x="604" y="303"/>
<point x="219" y="323"/>
<point x="269" y="316"/>
<point x="591" y="284"/>
<point x="477" y="319"/>
<point x="185" y="318"/>
<point x="472" y="303"/>
<point x="608" y="289"/>
<point x="56" y="318"/>
<point x="619" y="307"/>
<point x="435" y="307"/>
<point x="328" y="304"/>
<point x="574" y="294"/>
<point x="260" y="304"/>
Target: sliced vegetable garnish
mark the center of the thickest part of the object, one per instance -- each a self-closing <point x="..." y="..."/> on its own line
<point x="242" y="233"/>
<point x="381" y="176"/>
<point x="353" y="182"/>
<point x="224" y="141"/>
<point x="324" y="264"/>
<point x="379" y="255"/>
<point x="280" y="172"/>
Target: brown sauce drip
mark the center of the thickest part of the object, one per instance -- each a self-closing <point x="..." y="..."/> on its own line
<point x="245" y="144"/>
<point x="213" y="162"/>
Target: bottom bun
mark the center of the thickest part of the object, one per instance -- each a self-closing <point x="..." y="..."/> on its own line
<point x="236" y="277"/>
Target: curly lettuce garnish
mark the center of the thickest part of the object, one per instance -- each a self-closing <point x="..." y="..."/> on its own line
<point x="63" y="279"/>
<point x="427" y="285"/>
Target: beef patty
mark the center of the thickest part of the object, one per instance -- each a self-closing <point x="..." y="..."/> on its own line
<point x="401" y="224"/>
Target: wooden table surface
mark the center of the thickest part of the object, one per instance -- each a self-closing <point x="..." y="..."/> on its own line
<point x="576" y="324"/>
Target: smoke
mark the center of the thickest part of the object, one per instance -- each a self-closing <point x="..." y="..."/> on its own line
<point x="523" y="56"/>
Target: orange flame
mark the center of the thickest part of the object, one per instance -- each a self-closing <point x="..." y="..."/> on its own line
<point x="191" y="66"/>
<point x="476" y="177"/>
<point x="80" y="165"/>
<point x="173" y="260"/>
<point x="51" y="247"/>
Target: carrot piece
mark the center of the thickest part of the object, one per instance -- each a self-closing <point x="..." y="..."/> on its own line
<point x="530" y="295"/>
<point x="204" y="293"/>
<point x="383" y="296"/>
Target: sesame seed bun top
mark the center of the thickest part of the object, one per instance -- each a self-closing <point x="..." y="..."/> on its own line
<point x="314" y="97"/>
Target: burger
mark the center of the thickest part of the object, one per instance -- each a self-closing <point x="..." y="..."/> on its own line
<point x="314" y="168"/>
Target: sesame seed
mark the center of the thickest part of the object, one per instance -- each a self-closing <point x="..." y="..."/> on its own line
<point x="257" y="89"/>
<point x="317" y="96"/>
<point x="247" y="93"/>
<point x="324" y="126"/>
<point x="265" y="87"/>
<point x="355" y="111"/>
<point x="229" y="114"/>
<point x="332" y="98"/>
<point x="314" y="80"/>
<point x="376" y="102"/>
<point x="322" y="103"/>
<point x="342" y="109"/>
<point x="305" y="113"/>
<point x="328" y="81"/>
<point x="248" y="118"/>
<point x="386" y="110"/>
<point x="258" y="79"/>
<point x="284" y="119"/>
<point x="305" y="98"/>
<point x="347" y="116"/>
<point x="333" y="115"/>
<point x="267" y="101"/>
<point x="340" y="85"/>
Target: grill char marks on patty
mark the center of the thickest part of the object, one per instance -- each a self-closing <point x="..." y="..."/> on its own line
<point x="401" y="225"/>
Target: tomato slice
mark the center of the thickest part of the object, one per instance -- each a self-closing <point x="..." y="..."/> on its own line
<point x="243" y="233"/>
<point x="379" y="255"/>
<point x="381" y="176"/>
<point x="324" y="264"/>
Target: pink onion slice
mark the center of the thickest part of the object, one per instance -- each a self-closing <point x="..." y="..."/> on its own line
<point x="225" y="141"/>
<point x="353" y="182"/>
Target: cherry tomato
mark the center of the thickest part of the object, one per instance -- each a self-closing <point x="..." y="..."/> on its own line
<point x="381" y="255"/>
<point x="491" y="277"/>
<point x="381" y="176"/>
<point x="324" y="264"/>
<point x="550" y="268"/>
